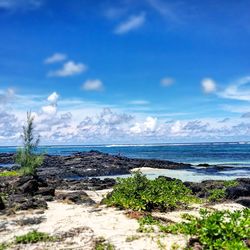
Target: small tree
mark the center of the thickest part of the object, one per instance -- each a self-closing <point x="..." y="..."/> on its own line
<point x="26" y="157"/>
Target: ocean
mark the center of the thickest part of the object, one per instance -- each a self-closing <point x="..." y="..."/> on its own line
<point x="234" y="154"/>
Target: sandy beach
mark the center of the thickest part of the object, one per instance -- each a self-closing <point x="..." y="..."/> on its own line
<point x="80" y="226"/>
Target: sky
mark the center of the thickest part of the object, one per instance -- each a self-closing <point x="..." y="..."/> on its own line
<point x="125" y="71"/>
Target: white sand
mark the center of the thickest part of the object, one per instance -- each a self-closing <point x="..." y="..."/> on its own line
<point x="85" y="223"/>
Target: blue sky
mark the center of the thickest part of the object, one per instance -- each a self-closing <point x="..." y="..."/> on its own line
<point x="125" y="71"/>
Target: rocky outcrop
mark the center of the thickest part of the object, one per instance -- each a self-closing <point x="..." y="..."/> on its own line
<point x="26" y="192"/>
<point x="93" y="163"/>
<point x="203" y="188"/>
<point x="6" y="158"/>
<point x="244" y="201"/>
<point x="32" y="192"/>
<point x="234" y="193"/>
<point x="72" y="172"/>
<point x="77" y="197"/>
<point x="81" y="184"/>
<point x="25" y="202"/>
<point x="2" y="205"/>
<point x="240" y="192"/>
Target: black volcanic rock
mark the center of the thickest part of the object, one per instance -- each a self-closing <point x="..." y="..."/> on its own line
<point x="238" y="191"/>
<point x="6" y="158"/>
<point x="244" y="201"/>
<point x="77" y="197"/>
<point x="2" y="205"/>
<point x="22" y="202"/>
<point x="29" y="187"/>
<point x="94" y="163"/>
<point x="46" y="191"/>
<point x="80" y="184"/>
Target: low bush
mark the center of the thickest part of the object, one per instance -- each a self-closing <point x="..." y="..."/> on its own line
<point x="141" y="194"/>
<point x="230" y="183"/>
<point x="3" y="246"/>
<point x="147" y="223"/>
<point x="216" y="230"/>
<point x="216" y="195"/>
<point x="102" y="244"/>
<point x="33" y="237"/>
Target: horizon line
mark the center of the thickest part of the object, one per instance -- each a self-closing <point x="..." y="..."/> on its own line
<point x="131" y="144"/>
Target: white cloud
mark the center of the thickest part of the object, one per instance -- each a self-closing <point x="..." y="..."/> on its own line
<point x="150" y="123"/>
<point x="53" y="98"/>
<point x="49" y="109"/>
<point x="82" y="122"/>
<point x="9" y="127"/>
<point x="106" y="125"/>
<point x="69" y="68"/>
<point x="208" y="85"/>
<point x="57" y="57"/>
<point x="93" y="85"/>
<point x="148" y="126"/>
<point x="132" y="23"/>
<point x="167" y="81"/>
<point x="237" y="90"/>
<point x="176" y="127"/>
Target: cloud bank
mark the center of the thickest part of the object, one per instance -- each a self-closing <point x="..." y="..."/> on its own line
<point x="58" y="125"/>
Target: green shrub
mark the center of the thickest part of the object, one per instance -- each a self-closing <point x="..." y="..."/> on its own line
<point x="3" y="246"/>
<point x="33" y="237"/>
<point x="217" y="230"/>
<point x="102" y="244"/>
<point x="230" y="183"/>
<point x="220" y="194"/>
<point x="216" y="195"/>
<point x="139" y="193"/>
<point x="29" y="162"/>
<point x="146" y="224"/>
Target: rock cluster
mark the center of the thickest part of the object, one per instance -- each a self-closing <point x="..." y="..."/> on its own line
<point x="93" y="163"/>
<point x="72" y="172"/>
<point x="22" y="193"/>
<point x="239" y="193"/>
<point x="33" y="192"/>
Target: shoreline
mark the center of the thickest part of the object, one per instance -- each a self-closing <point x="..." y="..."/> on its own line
<point x="95" y="164"/>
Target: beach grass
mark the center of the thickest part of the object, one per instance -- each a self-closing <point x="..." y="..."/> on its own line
<point x="33" y="237"/>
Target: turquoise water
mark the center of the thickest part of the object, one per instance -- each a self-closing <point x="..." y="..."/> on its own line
<point x="236" y="155"/>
